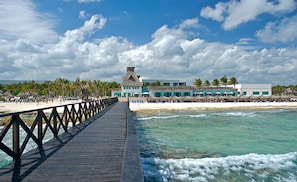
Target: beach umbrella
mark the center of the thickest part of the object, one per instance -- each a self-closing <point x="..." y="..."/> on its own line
<point x="7" y="94"/>
<point x="23" y="95"/>
<point x="187" y="99"/>
<point x="34" y="94"/>
<point x="164" y="99"/>
<point x="175" y="99"/>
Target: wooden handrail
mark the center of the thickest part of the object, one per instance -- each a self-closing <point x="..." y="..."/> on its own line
<point x="54" y="122"/>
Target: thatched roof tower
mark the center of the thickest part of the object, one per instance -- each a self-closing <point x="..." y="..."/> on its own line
<point x="131" y="79"/>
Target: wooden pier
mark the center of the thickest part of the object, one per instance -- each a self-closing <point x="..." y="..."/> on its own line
<point x="103" y="148"/>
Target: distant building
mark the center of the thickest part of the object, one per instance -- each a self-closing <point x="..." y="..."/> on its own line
<point x="253" y="89"/>
<point x="154" y="82"/>
<point x="134" y="85"/>
<point x="131" y="85"/>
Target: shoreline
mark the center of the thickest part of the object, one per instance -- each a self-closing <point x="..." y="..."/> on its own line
<point x="148" y="106"/>
<point x="214" y="106"/>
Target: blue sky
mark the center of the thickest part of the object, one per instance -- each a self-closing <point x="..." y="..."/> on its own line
<point x="254" y="41"/>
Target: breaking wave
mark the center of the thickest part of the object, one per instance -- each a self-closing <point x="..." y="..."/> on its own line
<point x="249" y="167"/>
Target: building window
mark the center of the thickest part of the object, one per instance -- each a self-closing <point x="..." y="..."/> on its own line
<point x="256" y="93"/>
<point x="166" y="84"/>
<point x="244" y="93"/>
<point x="186" y="93"/>
<point x="167" y="94"/>
<point x="158" y="94"/>
<point x="177" y="94"/>
<point x="265" y="93"/>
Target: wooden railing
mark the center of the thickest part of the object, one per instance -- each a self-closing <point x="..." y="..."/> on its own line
<point x="46" y="119"/>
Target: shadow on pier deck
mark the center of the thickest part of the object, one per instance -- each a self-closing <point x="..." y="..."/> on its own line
<point x="104" y="148"/>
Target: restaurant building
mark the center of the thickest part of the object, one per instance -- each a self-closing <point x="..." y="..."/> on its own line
<point x="134" y="86"/>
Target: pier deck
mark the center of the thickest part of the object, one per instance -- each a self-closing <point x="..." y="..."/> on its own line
<point x="92" y="151"/>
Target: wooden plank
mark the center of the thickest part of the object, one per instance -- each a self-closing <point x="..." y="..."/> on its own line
<point x="94" y="151"/>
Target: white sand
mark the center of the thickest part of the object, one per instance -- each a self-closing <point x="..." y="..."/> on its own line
<point x="24" y="106"/>
<point x="212" y="106"/>
<point x="15" y="107"/>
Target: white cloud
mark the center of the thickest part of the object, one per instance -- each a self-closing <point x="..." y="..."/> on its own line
<point x="234" y="12"/>
<point x="189" y="23"/>
<point x="96" y="22"/>
<point x="279" y="31"/>
<point x="82" y="14"/>
<point x="20" y="19"/>
<point x="216" y="13"/>
<point x="169" y="55"/>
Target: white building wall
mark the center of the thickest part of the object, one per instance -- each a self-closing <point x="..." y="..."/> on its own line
<point x="170" y="82"/>
<point x="131" y="91"/>
<point x="253" y="89"/>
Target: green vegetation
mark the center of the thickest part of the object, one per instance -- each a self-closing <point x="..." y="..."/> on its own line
<point x="62" y="87"/>
<point x="224" y="81"/>
<point x="198" y="82"/>
<point x="284" y="90"/>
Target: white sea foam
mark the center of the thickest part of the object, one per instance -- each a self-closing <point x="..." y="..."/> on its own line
<point x="252" y="166"/>
<point x="157" y="117"/>
<point x="275" y="111"/>
<point x="198" y="116"/>
<point x="238" y="114"/>
<point x="172" y="116"/>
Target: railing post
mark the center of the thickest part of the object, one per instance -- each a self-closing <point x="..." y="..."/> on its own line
<point x="93" y="108"/>
<point x="73" y="116"/>
<point x="16" y="136"/>
<point x="66" y="118"/>
<point x="55" y="122"/>
<point x="39" y="128"/>
<point x="80" y="112"/>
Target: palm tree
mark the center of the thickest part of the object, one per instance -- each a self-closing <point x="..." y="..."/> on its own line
<point x="77" y="86"/>
<point x="198" y="82"/>
<point x="233" y="81"/>
<point x="206" y="83"/>
<point x="48" y="83"/>
<point x="84" y="89"/>
<point x="158" y="83"/>
<point x="224" y="80"/>
<point x="215" y="82"/>
<point x="61" y="82"/>
<point x="96" y="85"/>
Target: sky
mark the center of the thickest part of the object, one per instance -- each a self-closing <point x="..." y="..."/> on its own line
<point x="254" y="41"/>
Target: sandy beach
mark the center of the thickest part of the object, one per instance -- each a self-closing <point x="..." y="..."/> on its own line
<point x="24" y="106"/>
<point x="137" y="107"/>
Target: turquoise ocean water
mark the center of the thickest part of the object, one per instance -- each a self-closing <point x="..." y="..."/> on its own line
<point x="218" y="145"/>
